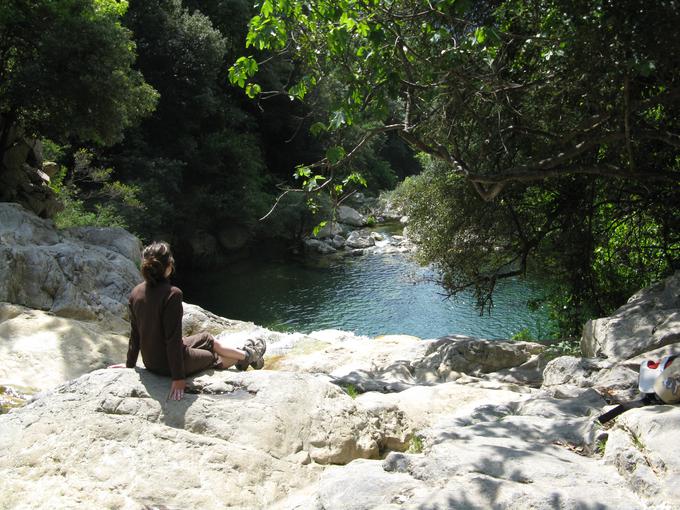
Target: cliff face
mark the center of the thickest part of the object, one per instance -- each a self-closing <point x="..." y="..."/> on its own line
<point x="335" y="421"/>
<point x="82" y="273"/>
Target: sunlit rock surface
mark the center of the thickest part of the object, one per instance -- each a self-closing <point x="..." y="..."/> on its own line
<point x="649" y="320"/>
<point x="39" y="350"/>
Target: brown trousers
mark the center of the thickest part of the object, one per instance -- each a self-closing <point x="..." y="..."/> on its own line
<point x="199" y="354"/>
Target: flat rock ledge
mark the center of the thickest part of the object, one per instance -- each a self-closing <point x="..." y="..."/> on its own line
<point x="338" y="421"/>
<point x="109" y="439"/>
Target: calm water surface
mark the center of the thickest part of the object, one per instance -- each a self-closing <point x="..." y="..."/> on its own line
<point x="370" y="295"/>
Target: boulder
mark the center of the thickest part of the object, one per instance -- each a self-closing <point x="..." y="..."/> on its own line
<point x="235" y="333"/>
<point x="264" y="433"/>
<point x="317" y="246"/>
<point x="197" y="320"/>
<point x="449" y="356"/>
<point x="114" y="238"/>
<point x="330" y="229"/>
<point x="339" y="353"/>
<point x="387" y="209"/>
<point x="19" y="226"/>
<point x="649" y="320"/>
<point x="338" y="242"/>
<point x="359" y="240"/>
<point x="350" y="216"/>
<point x="424" y="406"/>
<point x="614" y="380"/>
<point x="63" y="272"/>
<point x="644" y="446"/>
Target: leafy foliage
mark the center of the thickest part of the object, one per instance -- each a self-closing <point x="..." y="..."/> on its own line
<point x="551" y="127"/>
<point x="101" y="205"/>
<point x="66" y="70"/>
<point x="198" y="159"/>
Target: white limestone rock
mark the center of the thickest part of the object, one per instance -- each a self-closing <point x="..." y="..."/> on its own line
<point x="359" y="239"/>
<point x="615" y="380"/>
<point x="112" y="439"/>
<point x="350" y="216"/>
<point x="458" y="353"/>
<point x="529" y="452"/>
<point x="39" y="350"/>
<point x="62" y="272"/>
<point x="649" y="320"/>
<point x="645" y="448"/>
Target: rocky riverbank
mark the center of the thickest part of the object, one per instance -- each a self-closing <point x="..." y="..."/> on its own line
<point x="353" y="234"/>
<point x="335" y="421"/>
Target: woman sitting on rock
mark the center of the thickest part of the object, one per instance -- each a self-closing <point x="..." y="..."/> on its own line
<point x="156" y="329"/>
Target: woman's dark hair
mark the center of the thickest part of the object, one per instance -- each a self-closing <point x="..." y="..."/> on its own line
<point x="155" y="260"/>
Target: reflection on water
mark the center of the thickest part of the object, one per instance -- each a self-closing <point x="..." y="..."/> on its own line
<point x="370" y="295"/>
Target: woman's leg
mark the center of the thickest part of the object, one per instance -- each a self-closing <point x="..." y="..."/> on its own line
<point x="228" y="355"/>
<point x="205" y="351"/>
<point x="199" y="353"/>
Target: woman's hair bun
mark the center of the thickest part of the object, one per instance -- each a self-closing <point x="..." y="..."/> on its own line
<point x="155" y="260"/>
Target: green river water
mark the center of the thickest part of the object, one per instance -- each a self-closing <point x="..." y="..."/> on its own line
<point x="369" y="295"/>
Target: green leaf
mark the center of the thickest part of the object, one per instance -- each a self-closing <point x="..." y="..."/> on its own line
<point x="302" y="171"/>
<point x="317" y="128"/>
<point x="318" y="228"/>
<point x="355" y="178"/>
<point x="267" y="8"/>
<point x="335" y="154"/>
<point x="299" y="90"/>
<point x="480" y="35"/>
<point x="253" y="90"/>
<point x="313" y="183"/>
<point x="243" y="68"/>
<point x="347" y="21"/>
<point x="338" y="119"/>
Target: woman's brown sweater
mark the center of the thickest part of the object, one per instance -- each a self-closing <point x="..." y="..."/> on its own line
<point x="156" y="329"/>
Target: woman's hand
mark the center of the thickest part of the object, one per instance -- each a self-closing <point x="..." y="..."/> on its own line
<point x="177" y="389"/>
<point x="117" y="365"/>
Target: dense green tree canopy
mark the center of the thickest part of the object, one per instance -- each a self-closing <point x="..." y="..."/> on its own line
<point x="197" y="159"/>
<point x="508" y="91"/>
<point x="66" y="69"/>
<point x="551" y="128"/>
